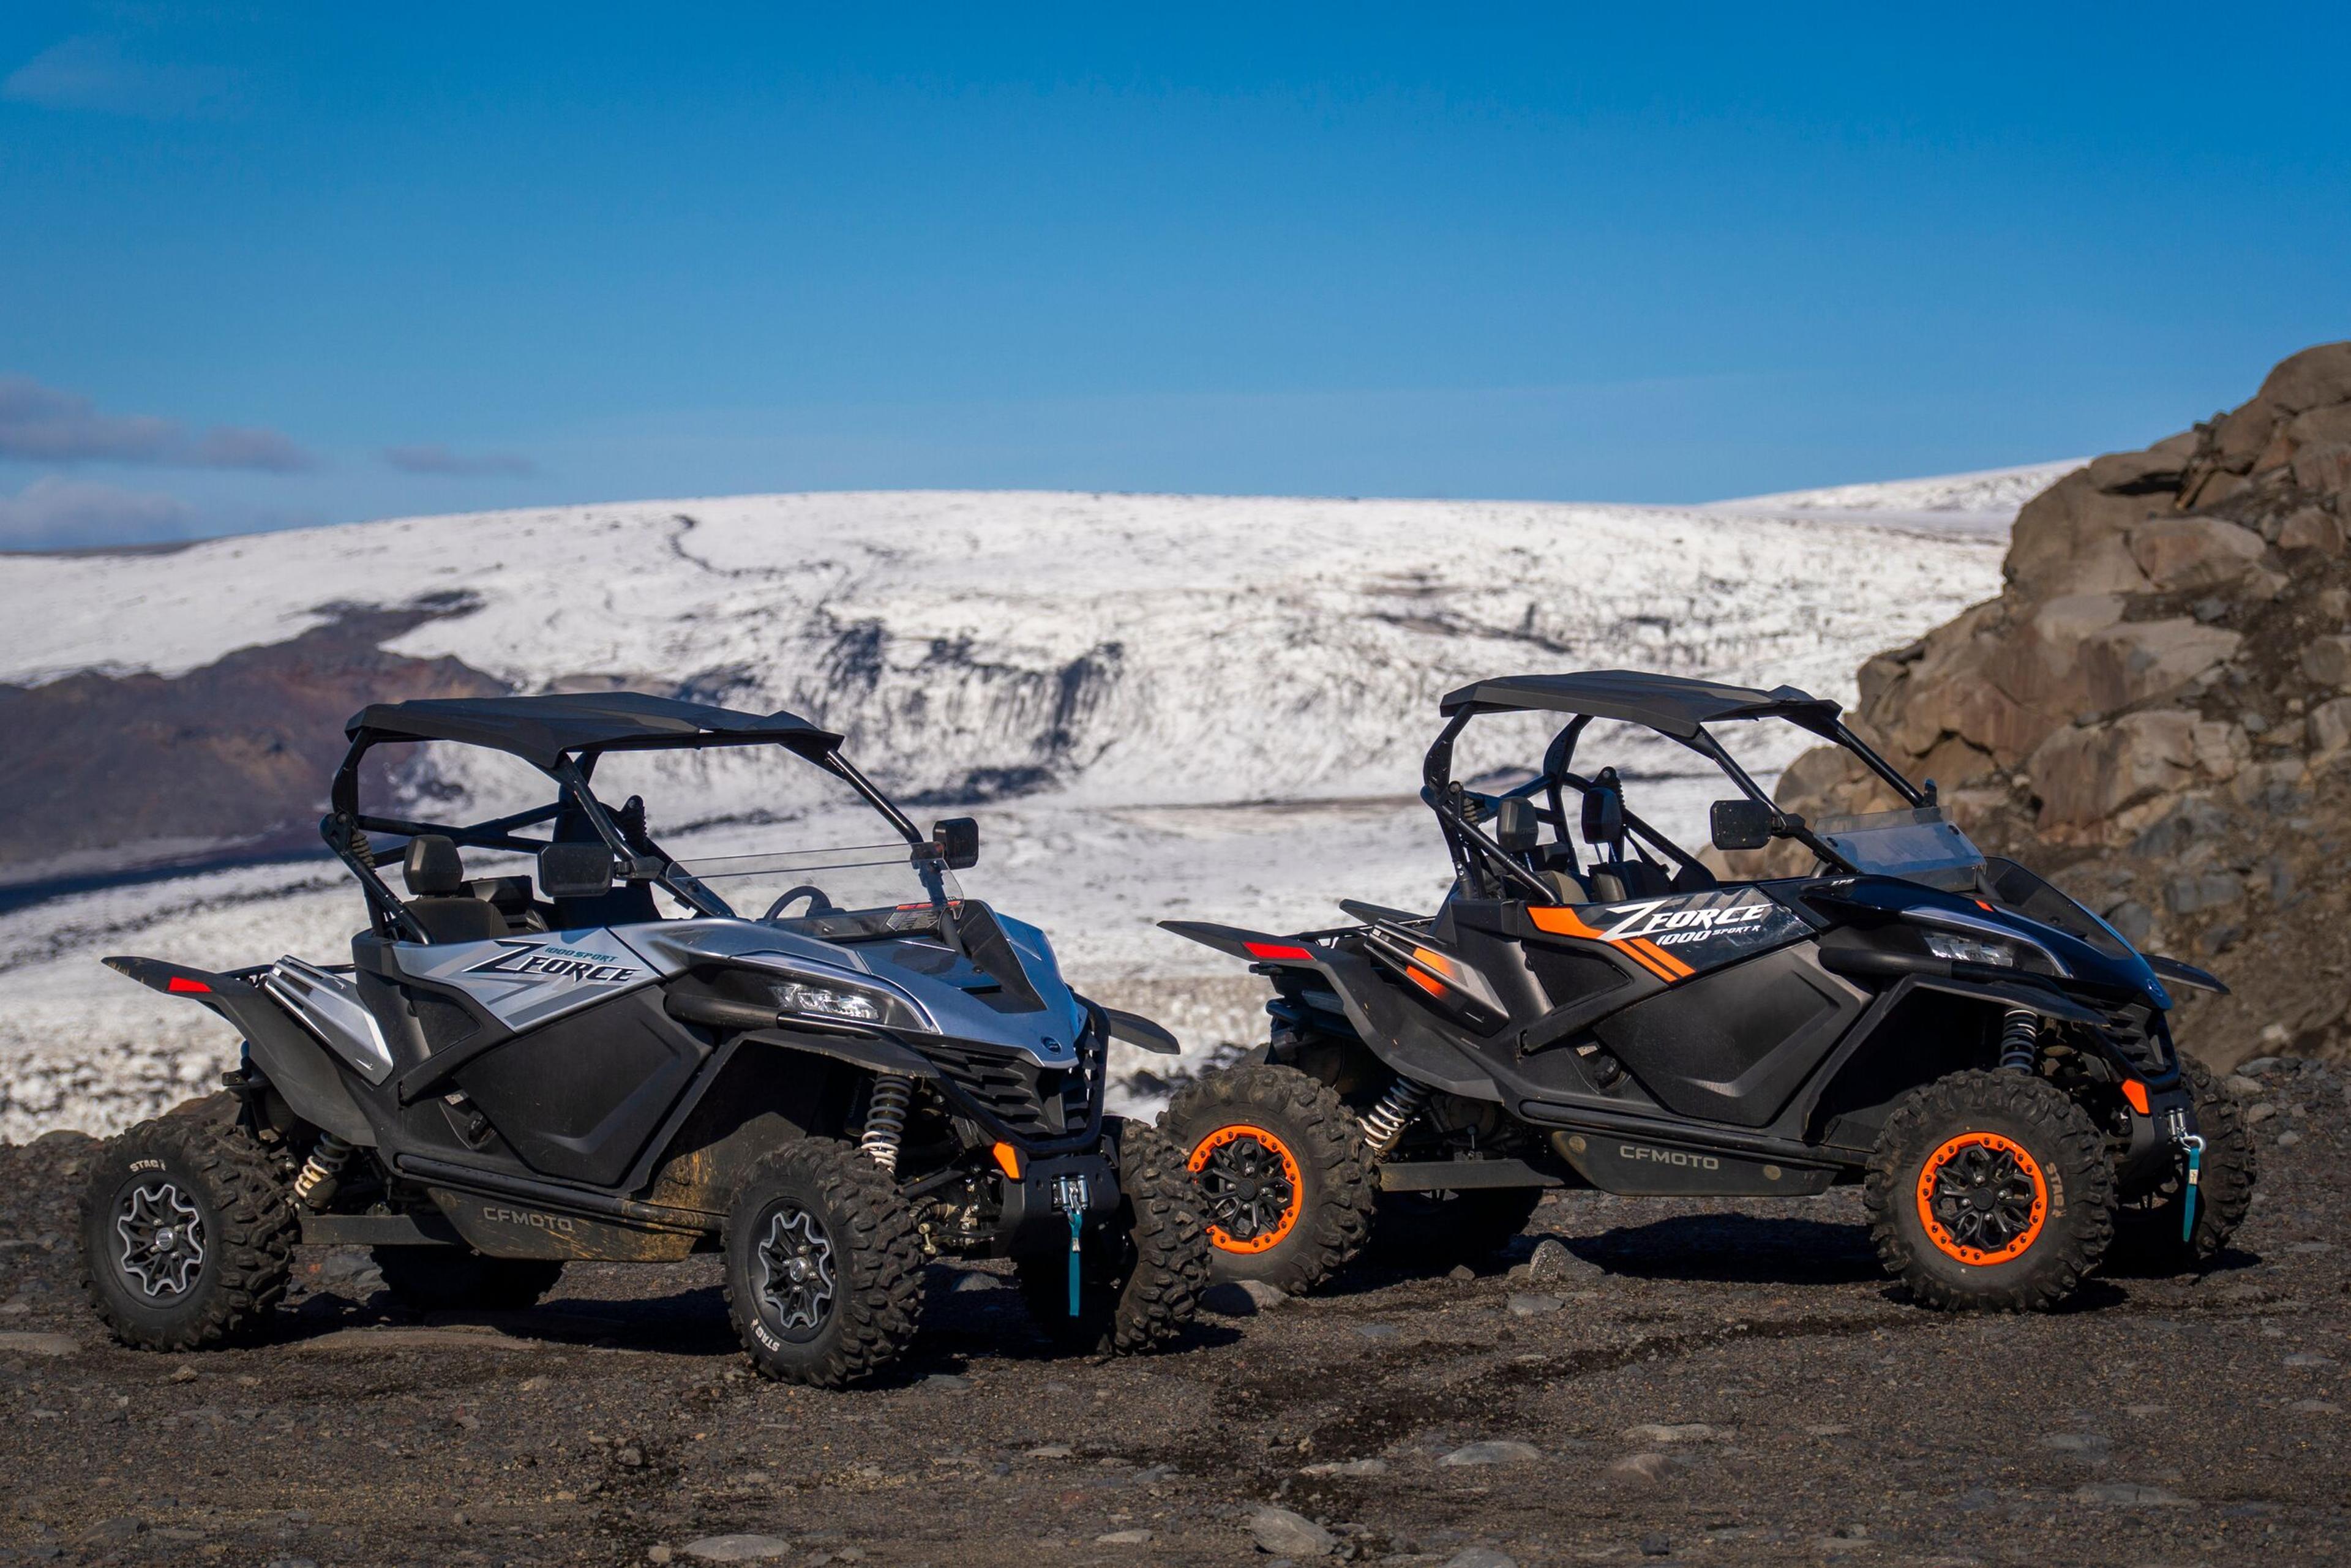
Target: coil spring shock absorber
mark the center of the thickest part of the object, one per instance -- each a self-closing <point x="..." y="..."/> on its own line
<point x="1392" y="1116"/>
<point x="322" y="1172"/>
<point x="2019" y="1040"/>
<point x="886" y="1119"/>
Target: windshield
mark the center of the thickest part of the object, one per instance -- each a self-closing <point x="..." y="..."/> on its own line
<point x="895" y="886"/>
<point x="1918" y="843"/>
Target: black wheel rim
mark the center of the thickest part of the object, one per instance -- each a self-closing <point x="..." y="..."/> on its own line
<point x="1248" y="1191"/>
<point x="1984" y="1198"/>
<point x="159" y="1236"/>
<point x="794" y="1263"/>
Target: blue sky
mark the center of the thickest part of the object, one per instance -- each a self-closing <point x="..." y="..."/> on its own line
<point x="266" y="265"/>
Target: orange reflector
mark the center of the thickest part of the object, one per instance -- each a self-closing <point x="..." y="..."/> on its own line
<point x="2135" y="1092"/>
<point x="1008" y="1160"/>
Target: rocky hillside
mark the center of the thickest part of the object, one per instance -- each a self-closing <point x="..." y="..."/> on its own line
<point x="2154" y="710"/>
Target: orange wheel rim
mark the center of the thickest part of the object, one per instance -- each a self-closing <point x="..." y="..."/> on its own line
<point x="1982" y="1199"/>
<point x="1249" y="1184"/>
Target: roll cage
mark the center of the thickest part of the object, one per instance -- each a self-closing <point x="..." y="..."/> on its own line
<point x="1676" y="708"/>
<point x="563" y="736"/>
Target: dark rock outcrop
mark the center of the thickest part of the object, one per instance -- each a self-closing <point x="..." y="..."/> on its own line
<point x="103" y="773"/>
<point x="2157" y="707"/>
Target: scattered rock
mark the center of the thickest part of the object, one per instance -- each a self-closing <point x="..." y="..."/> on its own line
<point x="1553" y="1261"/>
<point x="2255" y="1115"/>
<point x="1688" y="1432"/>
<point x="1656" y="1546"/>
<point x="1828" y="1429"/>
<point x="1461" y="1273"/>
<point x="183" y="1375"/>
<point x="2130" y="1494"/>
<point x="1228" y="1301"/>
<point x="1124" y="1538"/>
<point x="2309" y="1358"/>
<point x="1493" y="1451"/>
<point x="1377" y="1331"/>
<point x="1052" y="1451"/>
<point x="973" y="1280"/>
<point x="1348" y="1467"/>
<point x="22" y="1341"/>
<point x="1267" y="1297"/>
<point x="2245" y="1088"/>
<point x="1531" y="1304"/>
<point x="1480" y="1557"/>
<point x="737" y="1548"/>
<point x="1279" y="1533"/>
<point x="2317" y="1408"/>
<point x="1643" y="1470"/>
<point x="947" y="1382"/>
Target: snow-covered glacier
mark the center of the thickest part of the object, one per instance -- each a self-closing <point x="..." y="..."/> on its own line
<point x="1155" y="705"/>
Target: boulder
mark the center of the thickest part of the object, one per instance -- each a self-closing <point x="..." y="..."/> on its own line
<point x="2070" y="538"/>
<point x="2314" y="376"/>
<point x="2088" y="773"/>
<point x="2194" y="552"/>
<point x="2313" y="528"/>
<point x="2328" y="727"/>
<point x="2324" y="468"/>
<point x="2141" y="660"/>
<point x="2327" y="661"/>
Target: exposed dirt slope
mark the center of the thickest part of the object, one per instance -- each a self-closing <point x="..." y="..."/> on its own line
<point x="2155" y="709"/>
<point x="103" y="772"/>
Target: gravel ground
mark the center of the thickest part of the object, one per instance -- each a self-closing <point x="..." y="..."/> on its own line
<point x="1685" y="1383"/>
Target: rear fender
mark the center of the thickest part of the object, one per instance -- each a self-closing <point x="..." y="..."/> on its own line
<point x="288" y="1055"/>
<point x="1406" y="1045"/>
<point x="1251" y="946"/>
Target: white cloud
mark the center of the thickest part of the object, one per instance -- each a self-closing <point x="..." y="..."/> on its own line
<point x="53" y="513"/>
<point x="43" y="424"/>
<point x="432" y="457"/>
<point x="90" y="71"/>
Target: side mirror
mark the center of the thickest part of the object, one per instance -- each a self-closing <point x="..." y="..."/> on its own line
<point x="575" y="870"/>
<point x="958" y="842"/>
<point x="1741" y="824"/>
<point x="1516" y="827"/>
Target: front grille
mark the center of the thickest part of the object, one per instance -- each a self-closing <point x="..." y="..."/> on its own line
<point x="1013" y="1096"/>
<point x="2142" y="1037"/>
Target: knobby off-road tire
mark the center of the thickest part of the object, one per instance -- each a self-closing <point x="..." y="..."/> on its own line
<point x="1141" y="1272"/>
<point x="1285" y="1189"/>
<point x="1990" y="1191"/>
<point x="824" y="1269"/>
<point x="2148" y="1237"/>
<point x="187" y="1233"/>
<point x="1430" y="1231"/>
<point x="435" y="1278"/>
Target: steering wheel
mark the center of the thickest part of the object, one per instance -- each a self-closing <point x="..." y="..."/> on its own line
<point x="818" y="903"/>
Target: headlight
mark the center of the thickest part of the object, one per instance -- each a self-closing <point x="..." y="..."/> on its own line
<point x="1969" y="950"/>
<point x="840" y="1004"/>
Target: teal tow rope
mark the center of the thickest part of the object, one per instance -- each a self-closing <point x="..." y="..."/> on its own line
<point x="2195" y="1148"/>
<point x="1077" y="1221"/>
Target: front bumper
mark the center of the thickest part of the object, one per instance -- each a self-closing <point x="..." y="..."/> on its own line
<point x="2152" y="1156"/>
<point x="1031" y="1219"/>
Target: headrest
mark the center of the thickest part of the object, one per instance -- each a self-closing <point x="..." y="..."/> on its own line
<point x="1604" y="809"/>
<point x="432" y="867"/>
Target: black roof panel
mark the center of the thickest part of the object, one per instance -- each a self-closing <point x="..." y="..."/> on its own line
<point x="541" y="729"/>
<point x="1673" y="704"/>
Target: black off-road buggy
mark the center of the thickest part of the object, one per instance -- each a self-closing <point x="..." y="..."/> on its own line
<point x="827" y="1063"/>
<point x="1988" y="1056"/>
